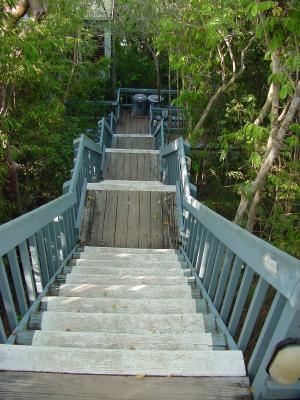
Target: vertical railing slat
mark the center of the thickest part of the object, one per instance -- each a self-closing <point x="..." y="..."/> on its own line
<point x="53" y="239"/>
<point x="266" y="333"/>
<point x="198" y="238"/>
<point x="253" y="312"/>
<point x="201" y="248"/>
<point x="49" y="251"/>
<point x="223" y="278"/>
<point x="216" y="270"/>
<point x="43" y="258"/>
<point x="210" y="262"/>
<point x="35" y="263"/>
<point x="232" y="285"/>
<point x="3" y="336"/>
<point x="7" y="297"/>
<point x="27" y="272"/>
<point x="206" y="251"/>
<point x="240" y="300"/>
<point x="17" y="279"/>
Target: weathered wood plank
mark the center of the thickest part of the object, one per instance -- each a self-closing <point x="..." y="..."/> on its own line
<point x="141" y="167"/>
<point x="156" y="221"/>
<point x="145" y="218"/>
<point x="120" y="165"/>
<point x="133" y="219"/>
<point x="122" y="220"/>
<point x="34" y="386"/>
<point x="110" y="219"/>
<point x="127" y="167"/>
<point x="134" y="167"/>
<point x="122" y="362"/>
<point x="97" y="221"/>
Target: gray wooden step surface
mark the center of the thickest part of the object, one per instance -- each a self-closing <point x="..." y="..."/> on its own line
<point x="121" y="362"/>
<point x="123" y="341"/>
<point x="47" y="386"/>
<point x="93" y="254"/>
<point x="132" y="186"/>
<point x="132" y="219"/>
<point x="138" y="291"/>
<point x="125" y="306"/>
<point x="80" y="279"/>
<point x="145" y="142"/>
<point x="132" y="165"/>
<point x="104" y="268"/>
<point x="122" y="323"/>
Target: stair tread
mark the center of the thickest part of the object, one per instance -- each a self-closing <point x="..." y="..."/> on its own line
<point x="147" y="186"/>
<point x="121" y="362"/>
<point x="129" y="262"/>
<point x="196" y="341"/>
<point x="127" y="279"/>
<point x="125" y="323"/>
<point x="125" y="291"/>
<point x="106" y="269"/>
<point x="141" y="306"/>
<point x="129" y="250"/>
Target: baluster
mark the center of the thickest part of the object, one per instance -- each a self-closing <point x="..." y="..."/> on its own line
<point x="266" y="333"/>
<point x="48" y="248"/>
<point x="191" y="243"/>
<point x="59" y="239"/>
<point x="210" y="262"/>
<point x="201" y="248"/>
<point x="216" y="270"/>
<point x="53" y="239"/>
<point x="3" y="336"/>
<point x="206" y="251"/>
<point x="43" y="258"/>
<point x="18" y="284"/>
<point x="231" y="288"/>
<point x="240" y="301"/>
<point x="62" y="229"/>
<point x="187" y="224"/>
<point x="35" y="264"/>
<point x="252" y="314"/>
<point x="198" y="234"/>
<point x="7" y="297"/>
<point x="27" y="272"/>
<point x="223" y="278"/>
<point x="67" y="231"/>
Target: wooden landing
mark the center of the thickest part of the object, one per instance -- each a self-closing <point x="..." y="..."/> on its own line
<point x="129" y="124"/>
<point x="35" y="386"/>
<point x="135" y="165"/>
<point x="142" y="142"/>
<point x="130" y="218"/>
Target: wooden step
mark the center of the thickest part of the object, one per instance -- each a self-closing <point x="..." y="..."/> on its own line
<point x="138" y="291"/>
<point x="118" y="250"/>
<point x="128" y="306"/>
<point x="145" y="142"/>
<point x="127" y="185"/>
<point x="31" y="386"/>
<point x="95" y="255"/>
<point x="121" y="362"/>
<point x="119" y="271"/>
<point x="122" y="323"/>
<point x="129" y="263"/>
<point x="121" y="341"/>
<point x="80" y="279"/>
<point x="132" y="164"/>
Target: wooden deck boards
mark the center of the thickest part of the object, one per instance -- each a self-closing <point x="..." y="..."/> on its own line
<point x="132" y="166"/>
<point x="130" y="219"/>
<point x="132" y="125"/>
<point x="34" y="386"/>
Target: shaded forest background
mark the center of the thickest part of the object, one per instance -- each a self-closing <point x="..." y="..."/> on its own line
<point x="235" y="65"/>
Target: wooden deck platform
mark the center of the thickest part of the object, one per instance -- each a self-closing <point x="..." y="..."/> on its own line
<point x="129" y="124"/>
<point x="36" y="386"/>
<point x="135" y="165"/>
<point x="130" y="218"/>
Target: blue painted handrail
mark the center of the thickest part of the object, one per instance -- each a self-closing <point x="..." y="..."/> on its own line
<point x="229" y="264"/>
<point x="38" y="244"/>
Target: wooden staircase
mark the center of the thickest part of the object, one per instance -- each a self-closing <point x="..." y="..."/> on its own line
<point x="127" y="304"/>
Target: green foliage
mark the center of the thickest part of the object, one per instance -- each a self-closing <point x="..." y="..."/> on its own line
<point x="40" y="70"/>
